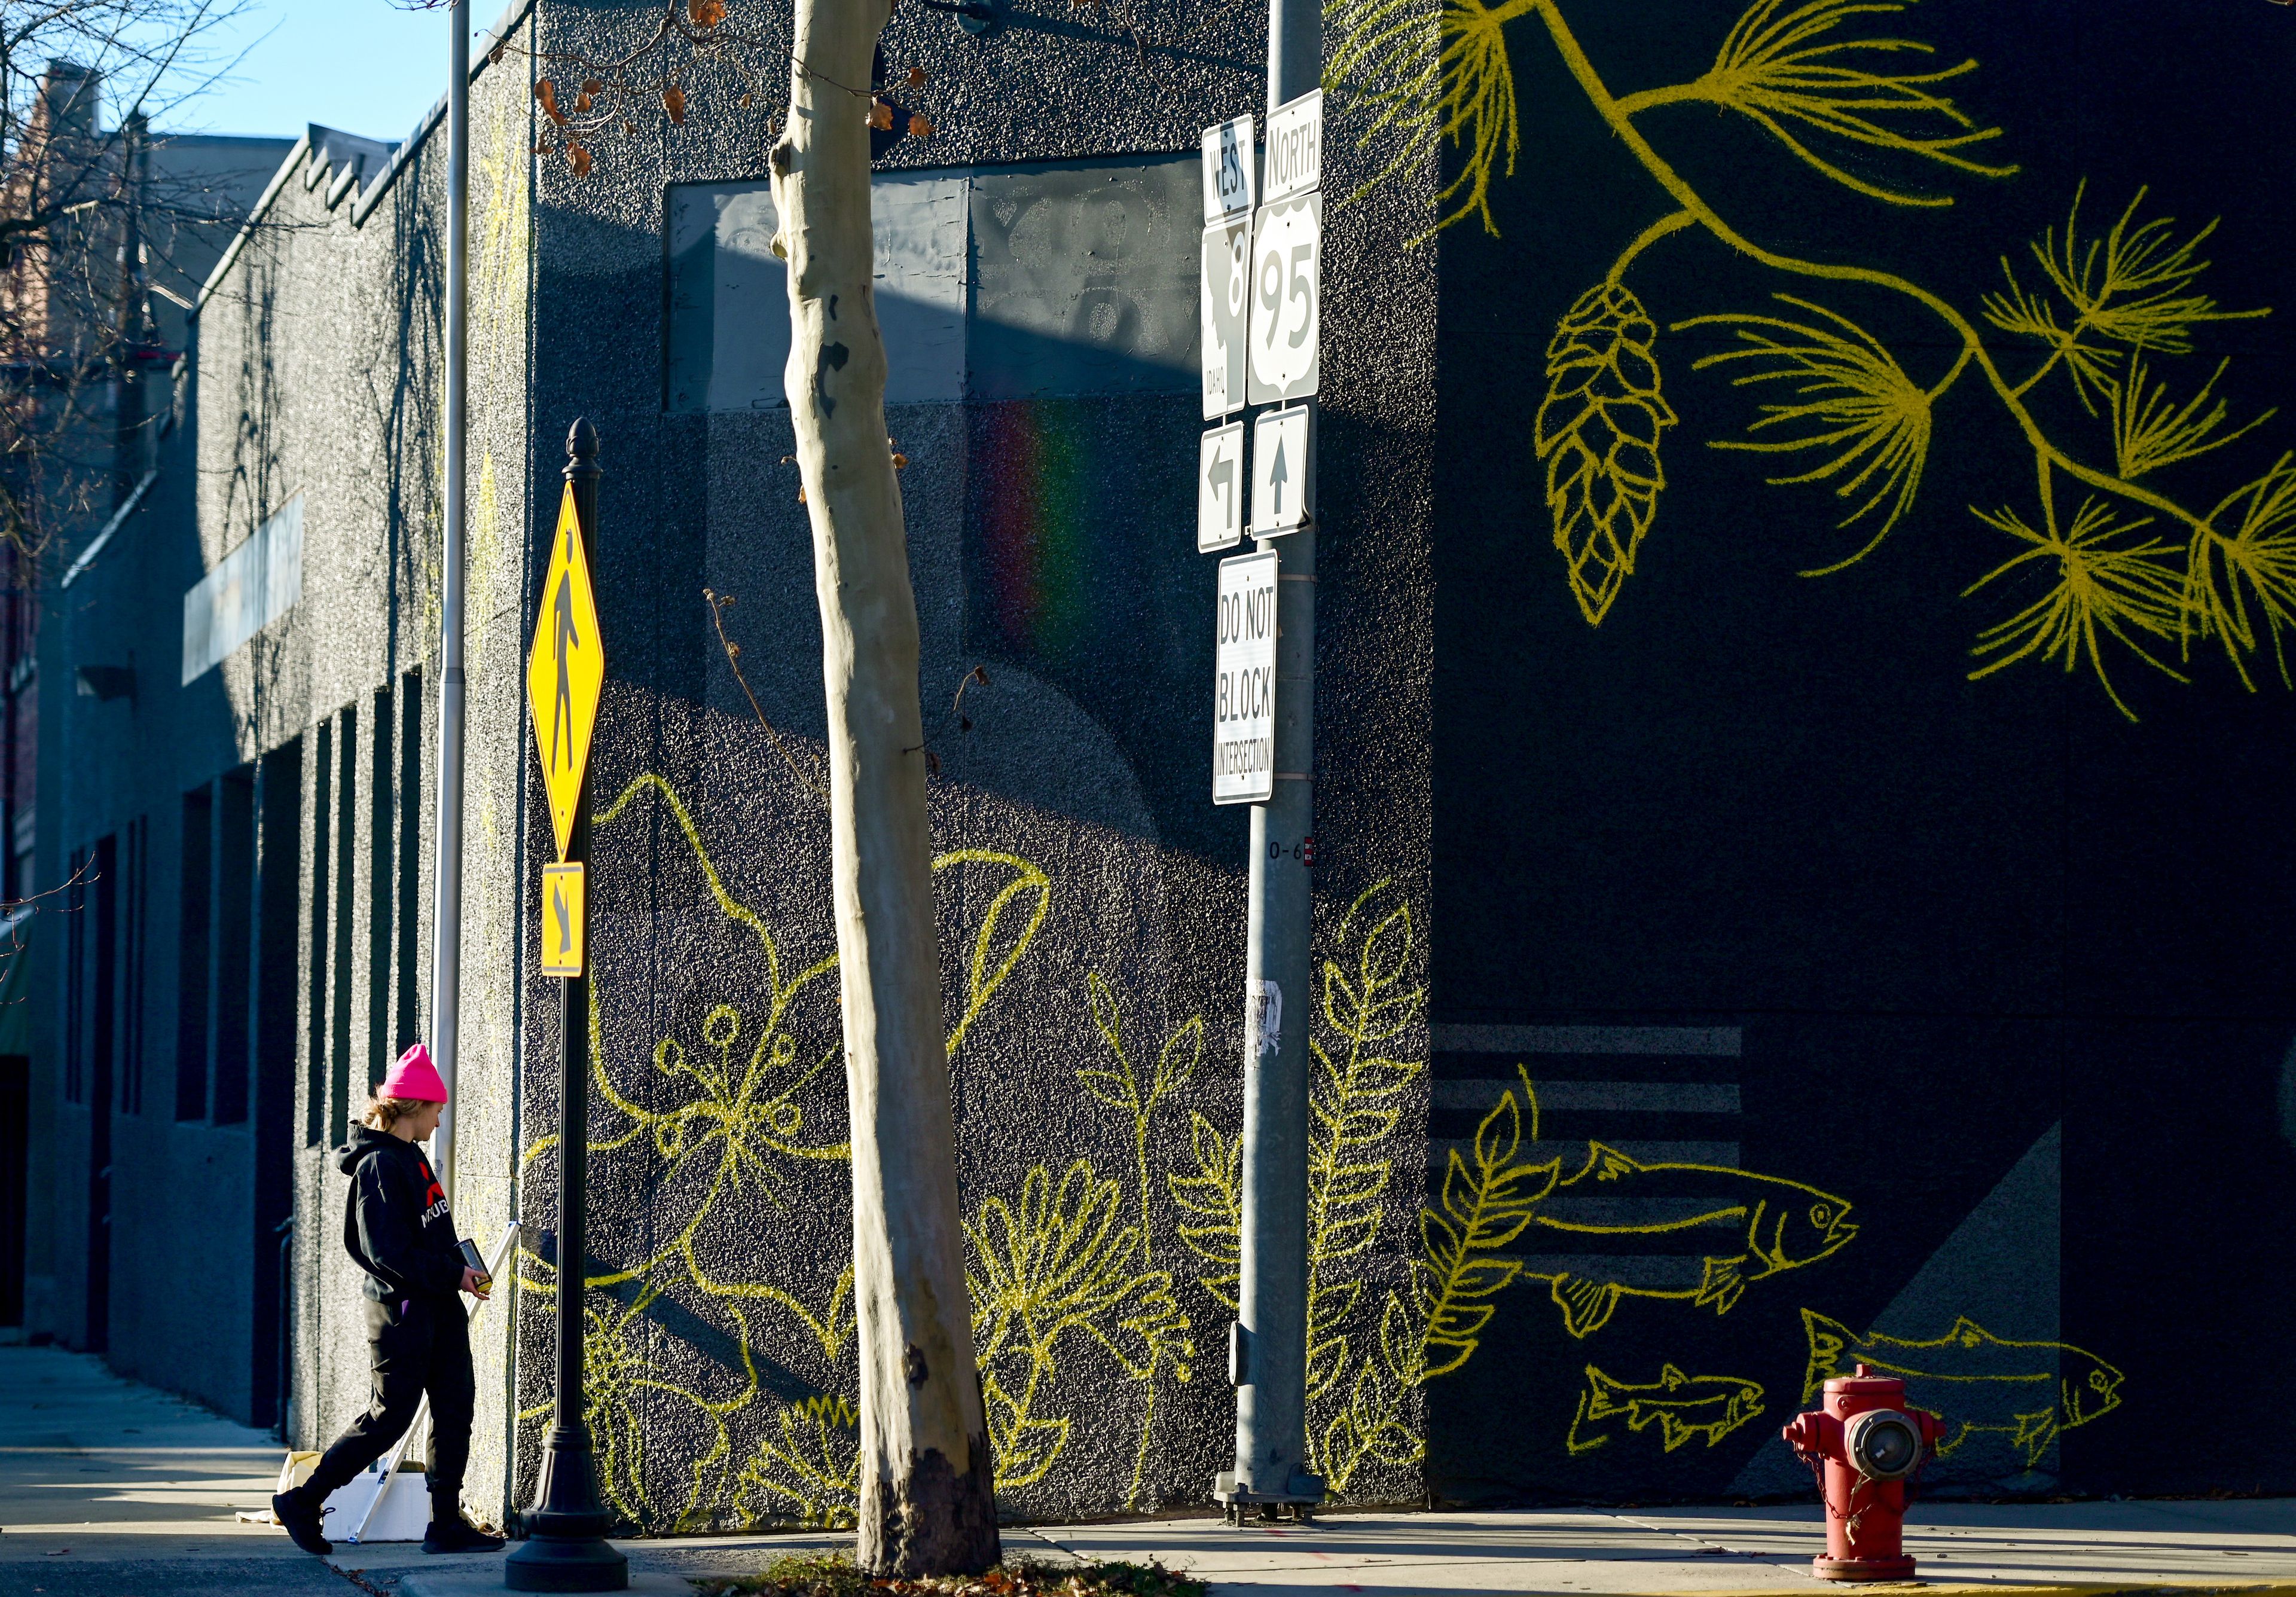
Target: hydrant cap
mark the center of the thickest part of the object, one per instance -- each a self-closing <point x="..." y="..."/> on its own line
<point x="1866" y="1384"/>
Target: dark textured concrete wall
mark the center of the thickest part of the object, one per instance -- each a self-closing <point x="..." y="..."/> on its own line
<point x="1092" y="896"/>
<point x="2000" y="967"/>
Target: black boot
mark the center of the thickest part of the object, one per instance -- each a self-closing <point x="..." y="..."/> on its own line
<point x="450" y="1532"/>
<point x="299" y="1512"/>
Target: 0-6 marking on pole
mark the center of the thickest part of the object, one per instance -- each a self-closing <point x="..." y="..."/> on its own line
<point x="1223" y="301"/>
<point x="1244" y="691"/>
<point x="566" y="671"/>
<point x="1282" y="471"/>
<point x="563" y="920"/>
<point x="1219" y="489"/>
<point x="1229" y="170"/>
<point x="1287" y="289"/>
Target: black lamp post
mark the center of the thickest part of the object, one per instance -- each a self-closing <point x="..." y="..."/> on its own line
<point x="566" y="1548"/>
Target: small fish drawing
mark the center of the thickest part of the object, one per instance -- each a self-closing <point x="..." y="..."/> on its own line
<point x="1682" y="1406"/>
<point x="1757" y="1225"/>
<point x="2030" y="1392"/>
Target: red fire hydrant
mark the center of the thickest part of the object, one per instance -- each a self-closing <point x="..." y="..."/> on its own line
<point x="1863" y="1445"/>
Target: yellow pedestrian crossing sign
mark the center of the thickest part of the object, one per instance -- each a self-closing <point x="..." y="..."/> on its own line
<point x="563" y="920"/>
<point x="566" y="671"/>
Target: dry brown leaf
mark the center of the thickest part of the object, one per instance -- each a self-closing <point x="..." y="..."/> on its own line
<point x="920" y="126"/>
<point x="673" y="100"/>
<point x="547" y="93"/>
<point x="881" y="115"/>
<point x="916" y="77"/>
<point x="579" y="154"/>
<point x="706" y="14"/>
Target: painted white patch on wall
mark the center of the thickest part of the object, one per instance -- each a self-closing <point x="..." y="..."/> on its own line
<point x="257" y="583"/>
<point x="721" y="244"/>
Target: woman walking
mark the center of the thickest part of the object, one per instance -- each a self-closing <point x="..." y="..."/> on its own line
<point x="398" y="1228"/>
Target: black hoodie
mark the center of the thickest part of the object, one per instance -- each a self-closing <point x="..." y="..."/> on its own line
<point x="395" y="1224"/>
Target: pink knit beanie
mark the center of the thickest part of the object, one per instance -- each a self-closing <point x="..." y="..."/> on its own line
<point x="413" y="1077"/>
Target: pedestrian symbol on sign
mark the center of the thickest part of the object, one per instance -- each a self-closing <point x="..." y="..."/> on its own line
<point x="566" y="673"/>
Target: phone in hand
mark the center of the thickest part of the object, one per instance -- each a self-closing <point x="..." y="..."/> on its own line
<point x="475" y="1260"/>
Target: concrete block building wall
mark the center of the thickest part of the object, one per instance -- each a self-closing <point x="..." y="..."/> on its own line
<point x="1713" y="986"/>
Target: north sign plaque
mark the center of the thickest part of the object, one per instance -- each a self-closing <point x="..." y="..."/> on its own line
<point x="565" y="672"/>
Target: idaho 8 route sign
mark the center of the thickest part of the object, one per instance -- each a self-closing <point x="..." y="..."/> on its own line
<point x="1243" y="698"/>
<point x="566" y="671"/>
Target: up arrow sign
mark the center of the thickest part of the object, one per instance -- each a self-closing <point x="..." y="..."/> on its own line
<point x="1282" y="452"/>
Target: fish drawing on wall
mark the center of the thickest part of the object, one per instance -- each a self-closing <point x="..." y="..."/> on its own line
<point x="2028" y="1392"/>
<point x="1682" y="1406"/>
<point x="1753" y="1227"/>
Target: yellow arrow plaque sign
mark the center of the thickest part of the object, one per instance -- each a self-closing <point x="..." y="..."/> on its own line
<point x="563" y="920"/>
<point x="565" y="671"/>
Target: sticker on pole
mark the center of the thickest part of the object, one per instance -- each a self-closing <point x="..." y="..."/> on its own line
<point x="1243" y="698"/>
<point x="1287" y="288"/>
<point x="1228" y="170"/>
<point x="565" y="672"/>
<point x="1223" y="303"/>
<point x="563" y="920"/>
<point x="1219" y="489"/>
<point x="1282" y="471"/>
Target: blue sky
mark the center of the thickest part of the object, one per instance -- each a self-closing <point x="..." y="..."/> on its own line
<point x="363" y="66"/>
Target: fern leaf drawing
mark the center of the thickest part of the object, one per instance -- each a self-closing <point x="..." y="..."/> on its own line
<point x="1598" y="432"/>
<point x="1427" y="72"/>
<point x="1214" y="1191"/>
<point x="2258" y="600"/>
<point x="1485" y="1207"/>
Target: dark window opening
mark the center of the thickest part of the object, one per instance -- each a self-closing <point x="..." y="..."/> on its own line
<point x="315" y="1064"/>
<point x="380" y="893"/>
<point x="234" y="927"/>
<point x="338" y="996"/>
<point x="193" y="973"/>
<point x="408" y="1027"/>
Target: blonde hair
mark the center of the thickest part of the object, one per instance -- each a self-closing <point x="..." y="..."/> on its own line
<point x="383" y="1113"/>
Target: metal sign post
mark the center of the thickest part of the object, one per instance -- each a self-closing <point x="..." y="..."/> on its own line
<point x="1267" y="1349"/>
<point x="566" y="1548"/>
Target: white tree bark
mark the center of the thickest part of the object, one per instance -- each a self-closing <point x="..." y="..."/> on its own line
<point x="927" y="1480"/>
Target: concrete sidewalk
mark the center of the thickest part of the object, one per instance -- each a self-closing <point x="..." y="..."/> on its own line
<point x="111" y="1489"/>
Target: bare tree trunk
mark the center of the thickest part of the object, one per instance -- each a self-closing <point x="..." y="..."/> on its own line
<point x="927" y="1480"/>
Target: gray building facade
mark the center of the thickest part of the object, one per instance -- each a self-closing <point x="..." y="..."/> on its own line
<point x="1718" y="983"/>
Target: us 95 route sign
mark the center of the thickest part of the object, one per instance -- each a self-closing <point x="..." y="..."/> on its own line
<point x="1243" y="692"/>
<point x="1286" y="287"/>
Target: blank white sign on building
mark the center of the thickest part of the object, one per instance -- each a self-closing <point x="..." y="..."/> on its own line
<point x="257" y="583"/>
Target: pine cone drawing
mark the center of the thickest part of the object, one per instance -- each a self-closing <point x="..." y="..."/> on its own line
<point x="1598" y="433"/>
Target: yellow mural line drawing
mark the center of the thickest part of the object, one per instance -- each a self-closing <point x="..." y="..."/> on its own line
<point x="1436" y="1324"/>
<point x="1354" y="1106"/>
<point x="1598" y="434"/>
<point x="1804" y="71"/>
<point x="1054" y="1263"/>
<point x="1214" y="1190"/>
<point x="1761" y="1226"/>
<point x="1681" y="1406"/>
<point x="738" y="1104"/>
<point x="809" y="1469"/>
<point x="2028" y="1392"/>
<point x="1121" y="1089"/>
<point x="1854" y="404"/>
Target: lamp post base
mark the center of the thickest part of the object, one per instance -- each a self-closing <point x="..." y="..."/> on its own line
<point x="558" y="1564"/>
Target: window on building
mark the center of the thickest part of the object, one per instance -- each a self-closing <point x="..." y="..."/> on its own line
<point x="194" y="971"/>
<point x="134" y="905"/>
<point x="339" y="981"/>
<point x="315" y="1044"/>
<point x="381" y="891"/>
<point x="409" y="1019"/>
<point x="233" y="953"/>
<point x="75" y="940"/>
